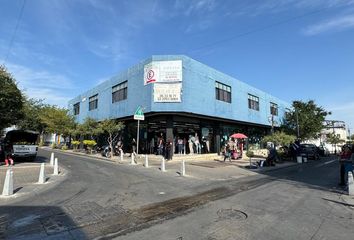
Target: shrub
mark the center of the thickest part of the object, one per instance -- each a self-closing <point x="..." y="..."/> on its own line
<point x="90" y="144"/>
<point x="53" y="145"/>
<point x="249" y="153"/>
<point x="75" y="144"/>
<point x="64" y="147"/>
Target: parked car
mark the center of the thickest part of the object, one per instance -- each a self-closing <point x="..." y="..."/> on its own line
<point x="322" y="150"/>
<point x="309" y="151"/>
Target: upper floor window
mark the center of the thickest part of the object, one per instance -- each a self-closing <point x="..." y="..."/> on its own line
<point x="253" y="102"/>
<point x="77" y="108"/>
<point x="274" y="109"/>
<point x="93" y="102"/>
<point x="222" y="92"/>
<point x="120" y="92"/>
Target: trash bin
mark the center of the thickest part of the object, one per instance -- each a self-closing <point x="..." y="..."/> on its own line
<point x="299" y="159"/>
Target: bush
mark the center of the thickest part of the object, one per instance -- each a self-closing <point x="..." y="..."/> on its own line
<point x="75" y="144"/>
<point x="64" y="147"/>
<point x="249" y="153"/>
<point x="90" y="144"/>
<point x="53" y="145"/>
<point x="40" y="144"/>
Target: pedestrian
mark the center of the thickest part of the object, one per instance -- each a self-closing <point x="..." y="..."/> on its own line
<point x="168" y="150"/>
<point x="120" y="147"/>
<point x="190" y="144"/>
<point x="197" y="144"/>
<point x="180" y="145"/>
<point x="227" y="152"/>
<point x="346" y="164"/>
<point x="134" y="147"/>
<point x="160" y="146"/>
<point x="9" y="160"/>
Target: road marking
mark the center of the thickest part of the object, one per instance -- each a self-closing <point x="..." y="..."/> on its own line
<point x="325" y="163"/>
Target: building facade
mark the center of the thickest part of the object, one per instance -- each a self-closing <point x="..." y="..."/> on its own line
<point x="181" y="97"/>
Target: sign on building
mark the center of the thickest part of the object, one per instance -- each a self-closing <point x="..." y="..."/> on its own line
<point x="163" y="72"/>
<point x="167" y="92"/>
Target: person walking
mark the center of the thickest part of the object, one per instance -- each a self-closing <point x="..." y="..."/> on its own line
<point x="168" y="150"/>
<point x="227" y="152"/>
<point x="134" y="147"/>
<point x="197" y="144"/>
<point x="190" y="144"/>
<point x="346" y="164"/>
<point x="180" y="145"/>
<point x="160" y="146"/>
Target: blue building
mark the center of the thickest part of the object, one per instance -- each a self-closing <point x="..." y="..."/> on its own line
<point x="181" y="97"/>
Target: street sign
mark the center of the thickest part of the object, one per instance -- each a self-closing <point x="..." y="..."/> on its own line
<point x="139" y="115"/>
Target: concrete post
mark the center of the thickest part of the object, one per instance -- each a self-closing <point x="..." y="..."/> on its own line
<point x="146" y="161"/>
<point x="42" y="176"/>
<point x="163" y="168"/>
<point x="52" y="159"/>
<point x="183" y="168"/>
<point x="132" y="162"/>
<point x="121" y="155"/>
<point x="56" y="167"/>
<point x="350" y="183"/>
<point x="8" y="183"/>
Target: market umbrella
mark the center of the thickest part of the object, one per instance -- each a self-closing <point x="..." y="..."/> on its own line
<point x="238" y="135"/>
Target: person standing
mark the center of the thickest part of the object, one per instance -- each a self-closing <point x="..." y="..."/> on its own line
<point x="152" y="146"/>
<point x="134" y="147"/>
<point x="180" y="145"/>
<point x="168" y="150"/>
<point x="197" y="144"/>
<point x="190" y="144"/>
<point x="160" y="146"/>
<point x="345" y="164"/>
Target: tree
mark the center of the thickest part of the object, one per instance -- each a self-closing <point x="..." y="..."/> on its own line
<point x="57" y="120"/>
<point x="308" y="116"/>
<point x="112" y="128"/>
<point x="11" y="100"/>
<point x="90" y="127"/>
<point x="31" y="120"/>
<point x="334" y="139"/>
<point x="279" y="138"/>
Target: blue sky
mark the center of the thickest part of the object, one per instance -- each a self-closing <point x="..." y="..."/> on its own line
<point x="293" y="49"/>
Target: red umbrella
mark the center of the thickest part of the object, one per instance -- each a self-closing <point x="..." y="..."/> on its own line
<point x="238" y="135"/>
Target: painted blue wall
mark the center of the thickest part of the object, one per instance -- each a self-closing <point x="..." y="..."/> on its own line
<point x="198" y="95"/>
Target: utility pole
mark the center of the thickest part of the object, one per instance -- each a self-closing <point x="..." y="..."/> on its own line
<point x="297" y="124"/>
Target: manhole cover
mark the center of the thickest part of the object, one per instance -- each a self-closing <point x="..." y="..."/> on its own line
<point x="232" y="214"/>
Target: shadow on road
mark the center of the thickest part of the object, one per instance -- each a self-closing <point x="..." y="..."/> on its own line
<point x="37" y="222"/>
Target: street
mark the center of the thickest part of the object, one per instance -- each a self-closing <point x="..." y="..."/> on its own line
<point x="104" y="200"/>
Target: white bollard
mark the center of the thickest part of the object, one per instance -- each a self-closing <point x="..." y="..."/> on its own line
<point x="121" y="155"/>
<point x="56" y="167"/>
<point x="42" y="176"/>
<point x="350" y="183"/>
<point x="163" y="167"/>
<point x="132" y="162"/>
<point x="8" y="183"/>
<point x="146" y="161"/>
<point x="183" y="168"/>
<point x="52" y="159"/>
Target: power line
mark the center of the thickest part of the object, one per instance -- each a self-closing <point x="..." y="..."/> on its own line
<point x="14" y="32"/>
<point x="261" y="28"/>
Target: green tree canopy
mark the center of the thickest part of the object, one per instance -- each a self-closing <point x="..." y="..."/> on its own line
<point x="90" y="127"/>
<point x="112" y="128"/>
<point x="31" y="120"/>
<point x="310" y="119"/>
<point x="279" y="138"/>
<point x="11" y="100"/>
<point x="57" y="120"/>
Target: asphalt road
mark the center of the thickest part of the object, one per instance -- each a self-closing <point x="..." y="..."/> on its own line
<point x="100" y="199"/>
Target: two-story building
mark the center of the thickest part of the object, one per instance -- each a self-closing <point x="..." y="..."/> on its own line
<point x="181" y="97"/>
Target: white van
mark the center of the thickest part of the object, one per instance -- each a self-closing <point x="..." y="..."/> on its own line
<point x="21" y="144"/>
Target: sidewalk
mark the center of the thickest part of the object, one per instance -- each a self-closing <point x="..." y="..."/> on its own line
<point x="25" y="178"/>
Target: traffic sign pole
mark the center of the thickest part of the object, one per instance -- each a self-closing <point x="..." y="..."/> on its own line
<point x="137" y="139"/>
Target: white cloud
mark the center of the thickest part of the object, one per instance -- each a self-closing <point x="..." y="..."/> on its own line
<point x="336" y="24"/>
<point x="51" y="87"/>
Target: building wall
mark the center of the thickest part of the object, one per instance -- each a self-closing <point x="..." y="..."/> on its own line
<point x="198" y="95"/>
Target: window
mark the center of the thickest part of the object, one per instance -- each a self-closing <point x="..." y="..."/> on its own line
<point x="253" y="102"/>
<point x="274" y="109"/>
<point x="77" y="108"/>
<point x="222" y="92"/>
<point x="120" y="92"/>
<point x="93" y="102"/>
